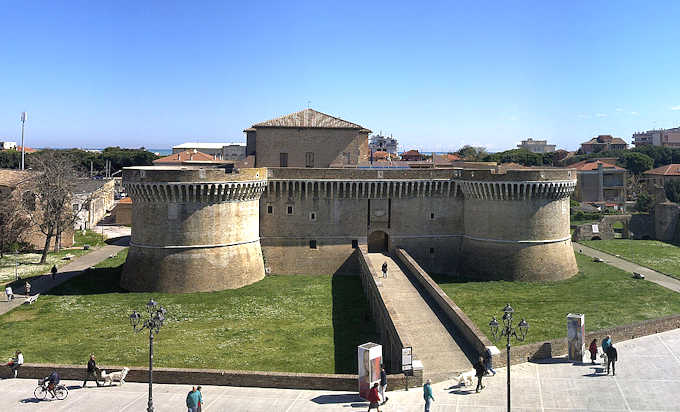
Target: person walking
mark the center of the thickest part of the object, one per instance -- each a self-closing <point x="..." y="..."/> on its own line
<point x="384" y="270"/>
<point x="612" y="357"/>
<point x="373" y="398"/>
<point x="54" y="272"/>
<point x="427" y="394"/>
<point x="200" y="398"/>
<point x="383" y="385"/>
<point x="92" y="371"/>
<point x="9" y="293"/>
<point x="606" y="343"/>
<point x="27" y="288"/>
<point x="488" y="362"/>
<point x="480" y="369"/>
<point x="193" y="399"/>
<point x="16" y="363"/>
<point x="593" y="351"/>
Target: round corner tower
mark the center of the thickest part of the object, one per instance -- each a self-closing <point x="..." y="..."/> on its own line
<point x="517" y="225"/>
<point x="193" y="229"/>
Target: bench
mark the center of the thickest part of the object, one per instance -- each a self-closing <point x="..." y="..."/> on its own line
<point x="31" y="299"/>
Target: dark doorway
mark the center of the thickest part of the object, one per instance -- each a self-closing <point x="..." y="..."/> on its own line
<point x="377" y="242"/>
<point x="595" y="238"/>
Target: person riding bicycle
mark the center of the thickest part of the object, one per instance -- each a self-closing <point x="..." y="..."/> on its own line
<point x="53" y="381"/>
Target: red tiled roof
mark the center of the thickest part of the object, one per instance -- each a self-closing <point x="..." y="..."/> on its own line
<point x="26" y="149"/>
<point x="593" y="165"/>
<point x="187" y="156"/>
<point x="380" y="154"/>
<point x="126" y="200"/>
<point x="411" y="152"/>
<point x="604" y="139"/>
<point x="667" y="170"/>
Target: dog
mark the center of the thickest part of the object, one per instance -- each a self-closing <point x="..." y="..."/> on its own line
<point x="604" y="360"/>
<point x="466" y="378"/>
<point x="115" y="376"/>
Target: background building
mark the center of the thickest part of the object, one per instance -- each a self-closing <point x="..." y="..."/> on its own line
<point x="658" y="137"/>
<point x="536" y="146"/>
<point x="8" y="145"/>
<point x="603" y="143"/>
<point x="94" y="199"/>
<point x="661" y="175"/>
<point x="383" y="144"/>
<point x="307" y="139"/>
<point x="188" y="157"/>
<point x="600" y="182"/>
<point x="219" y="151"/>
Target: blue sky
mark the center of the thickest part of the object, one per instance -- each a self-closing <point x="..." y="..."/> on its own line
<point x="435" y="75"/>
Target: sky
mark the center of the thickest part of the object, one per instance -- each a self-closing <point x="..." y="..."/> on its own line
<point x="435" y="75"/>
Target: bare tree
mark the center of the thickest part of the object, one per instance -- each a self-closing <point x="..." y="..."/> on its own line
<point x="48" y="202"/>
<point x="13" y="221"/>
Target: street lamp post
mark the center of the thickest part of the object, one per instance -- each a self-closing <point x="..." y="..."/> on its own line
<point x="24" y="117"/>
<point x="153" y="324"/>
<point x="508" y="330"/>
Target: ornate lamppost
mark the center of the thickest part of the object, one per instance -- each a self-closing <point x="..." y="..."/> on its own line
<point x="508" y="330"/>
<point x="153" y="323"/>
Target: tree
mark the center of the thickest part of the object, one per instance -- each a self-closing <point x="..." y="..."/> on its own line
<point x="637" y="162"/>
<point x="644" y="202"/>
<point x="10" y="159"/>
<point x="48" y="200"/>
<point x="471" y="153"/>
<point x="672" y="189"/>
<point x="13" y="222"/>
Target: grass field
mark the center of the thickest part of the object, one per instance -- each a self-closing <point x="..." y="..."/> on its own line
<point x="282" y="323"/>
<point x="653" y="254"/>
<point x="608" y="296"/>
<point x="28" y="262"/>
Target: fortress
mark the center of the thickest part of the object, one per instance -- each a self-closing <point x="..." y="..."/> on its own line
<point x="207" y="228"/>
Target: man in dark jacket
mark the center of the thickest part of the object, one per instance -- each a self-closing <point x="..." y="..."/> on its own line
<point x="383" y="385"/>
<point x="479" y="369"/>
<point x="612" y="357"/>
<point x="384" y="269"/>
<point x="92" y="371"/>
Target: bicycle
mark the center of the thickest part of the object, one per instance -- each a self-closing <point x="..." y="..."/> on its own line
<point x="60" y="391"/>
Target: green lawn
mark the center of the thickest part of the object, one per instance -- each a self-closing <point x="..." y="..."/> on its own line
<point x="28" y="265"/>
<point x="282" y="323"/>
<point x="653" y="254"/>
<point x="608" y="296"/>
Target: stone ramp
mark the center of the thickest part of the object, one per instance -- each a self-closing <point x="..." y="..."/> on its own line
<point x="432" y="340"/>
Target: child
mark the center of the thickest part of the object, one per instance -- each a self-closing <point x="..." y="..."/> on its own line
<point x="374" y="398"/>
<point x="593" y="351"/>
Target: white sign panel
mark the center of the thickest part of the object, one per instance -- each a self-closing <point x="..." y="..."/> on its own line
<point x="407" y="359"/>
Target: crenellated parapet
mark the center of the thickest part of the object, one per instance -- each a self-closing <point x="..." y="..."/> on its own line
<point x="513" y="190"/>
<point x="361" y="189"/>
<point x="202" y="192"/>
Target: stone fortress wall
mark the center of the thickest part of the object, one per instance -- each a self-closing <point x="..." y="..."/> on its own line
<point x="194" y="229"/>
<point x="206" y="229"/>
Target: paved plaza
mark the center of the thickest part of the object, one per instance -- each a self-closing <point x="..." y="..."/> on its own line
<point x="647" y="379"/>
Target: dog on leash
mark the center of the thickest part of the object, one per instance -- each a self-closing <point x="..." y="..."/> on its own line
<point x="466" y="378"/>
<point x="115" y="376"/>
<point x="604" y="360"/>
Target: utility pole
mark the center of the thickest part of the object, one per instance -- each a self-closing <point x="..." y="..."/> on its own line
<point x="24" y="117"/>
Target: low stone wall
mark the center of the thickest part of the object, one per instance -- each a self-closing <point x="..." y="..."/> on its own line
<point x="558" y="347"/>
<point x="284" y="380"/>
<point x="387" y="321"/>
<point x="475" y="338"/>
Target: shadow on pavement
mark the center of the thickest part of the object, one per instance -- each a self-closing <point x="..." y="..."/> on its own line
<point x="32" y="400"/>
<point x="119" y="241"/>
<point x="328" y="399"/>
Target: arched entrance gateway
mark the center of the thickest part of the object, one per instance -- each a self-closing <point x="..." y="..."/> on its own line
<point x="377" y="241"/>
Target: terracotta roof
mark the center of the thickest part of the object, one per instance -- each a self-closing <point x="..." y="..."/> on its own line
<point x="13" y="177"/>
<point x="585" y="165"/>
<point x="26" y="149"/>
<point x="309" y="118"/>
<point x="126" y="200"/>
<point x="667" y="170"/>
<point x="186" y="156"/>
<point x="411" y="152"/>
<point x="380" y="154"/>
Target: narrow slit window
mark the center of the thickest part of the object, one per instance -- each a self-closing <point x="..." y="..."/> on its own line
<point x="355" y="243"/>
<point x="289" y="209"/>
<point x="312" y="244"/>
